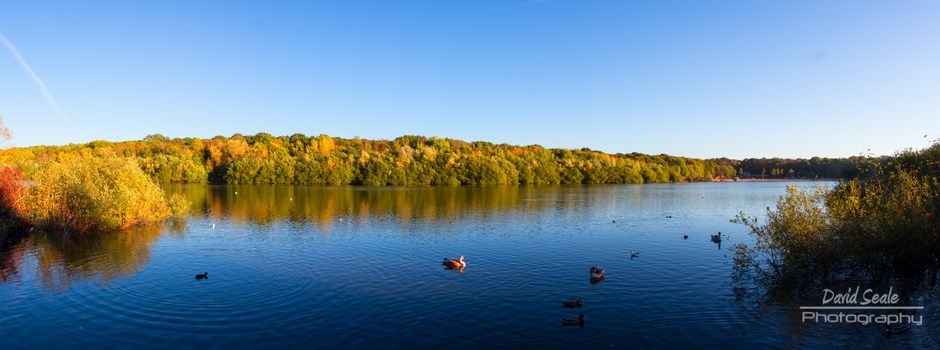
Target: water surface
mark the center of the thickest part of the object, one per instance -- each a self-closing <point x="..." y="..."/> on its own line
<point x="360" y="267"/>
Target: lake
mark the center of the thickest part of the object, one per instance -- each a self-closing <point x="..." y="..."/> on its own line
<point x="358" y="267"/>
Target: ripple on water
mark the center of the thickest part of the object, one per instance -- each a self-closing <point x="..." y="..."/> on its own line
<point x="374" y="281"/>
<point x="244" y="297"/>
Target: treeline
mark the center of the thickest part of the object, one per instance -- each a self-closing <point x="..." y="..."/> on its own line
<point x="812" y="168"/>
<point x="407" y="160"/>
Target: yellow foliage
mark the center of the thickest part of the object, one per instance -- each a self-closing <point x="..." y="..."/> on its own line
<point x="95" y="193"/>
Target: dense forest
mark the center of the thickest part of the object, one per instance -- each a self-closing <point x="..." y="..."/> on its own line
<point x="407" y="160"/>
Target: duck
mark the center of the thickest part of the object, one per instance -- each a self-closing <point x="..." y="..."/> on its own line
<point x="717" y="238"/>
<point x="572" y="303"/>
<point x="634" y="254"/>
<point x="454" y="263"/>
<point x="203" y="275"/>
<point x="597" y="274"/>
<point x="685" y="236"/>
<point x="573" y="321"/>
<point x="669" y="216"/>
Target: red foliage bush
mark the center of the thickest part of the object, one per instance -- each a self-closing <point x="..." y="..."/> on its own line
<point x="12" y="191"/>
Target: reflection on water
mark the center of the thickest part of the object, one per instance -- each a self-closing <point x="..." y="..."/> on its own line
<point x="759" y="301"/>
<point x="340" y="267"/>
<point x="11" y="256"/>
<point x="324" y="206"/>
<point x="62" y="258"/>
<point x="266" y="204"/>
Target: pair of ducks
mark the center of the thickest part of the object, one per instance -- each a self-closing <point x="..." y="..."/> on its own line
<point x="573" y="321"/>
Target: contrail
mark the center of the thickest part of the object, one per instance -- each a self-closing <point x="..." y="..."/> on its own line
<point x="23" y="64"/>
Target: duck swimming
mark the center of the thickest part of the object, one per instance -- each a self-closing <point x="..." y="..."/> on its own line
<point x="573" y="303"/>
<point x="573" y="321"/>
<point x="634" y="254"/>
<point x="597" y="274"/>
<point x="685" y="237"/>
<point x="454" y="264"/>
<point x="717" y="238"/>
<point x="203" y="275"/>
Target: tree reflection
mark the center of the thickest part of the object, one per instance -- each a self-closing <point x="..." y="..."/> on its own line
<point x="12" y="251"/>
<point x="326" y="205"/>
<point x="63" y="258"/>
<point x="760" y="298"/>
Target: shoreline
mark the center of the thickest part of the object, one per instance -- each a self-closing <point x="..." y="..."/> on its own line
<point x="774" y="180"/>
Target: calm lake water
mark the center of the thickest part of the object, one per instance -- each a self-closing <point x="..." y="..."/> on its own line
<point x="354" y="267"/>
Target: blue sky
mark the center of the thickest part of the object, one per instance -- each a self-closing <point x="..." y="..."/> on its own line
<point x="697" y="78"/>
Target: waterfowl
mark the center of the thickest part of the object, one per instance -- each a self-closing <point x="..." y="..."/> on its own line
<point x="203" y="275"/>
<point x="213" y="226"/>
<point x="597" y="274"/>
<point x="454" y="264"/>
<point x="634" y="254"/>
<point x="896" y="329"/>
<point x="615" y="221"/>
<point x="573" y="303"/>
<point x="685" y="237"/>
<point x="717" y="238"/>
<point x="573" y="321"/>
<point x="669" y="216"/>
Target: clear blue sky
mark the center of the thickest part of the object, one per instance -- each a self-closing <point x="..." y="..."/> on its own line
<point x="696" y="78"/>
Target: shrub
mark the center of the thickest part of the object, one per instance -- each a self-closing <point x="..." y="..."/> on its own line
<point x="886" y="221"/>
<point x="791" y="238"/>
<point x="95" y="193"/>
<point x="12" y="205"/>
<point x="179" y="206"/>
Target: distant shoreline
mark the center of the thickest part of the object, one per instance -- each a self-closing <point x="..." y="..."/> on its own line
<point x="773" y="180"/>
<point x="412" y="160"/>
